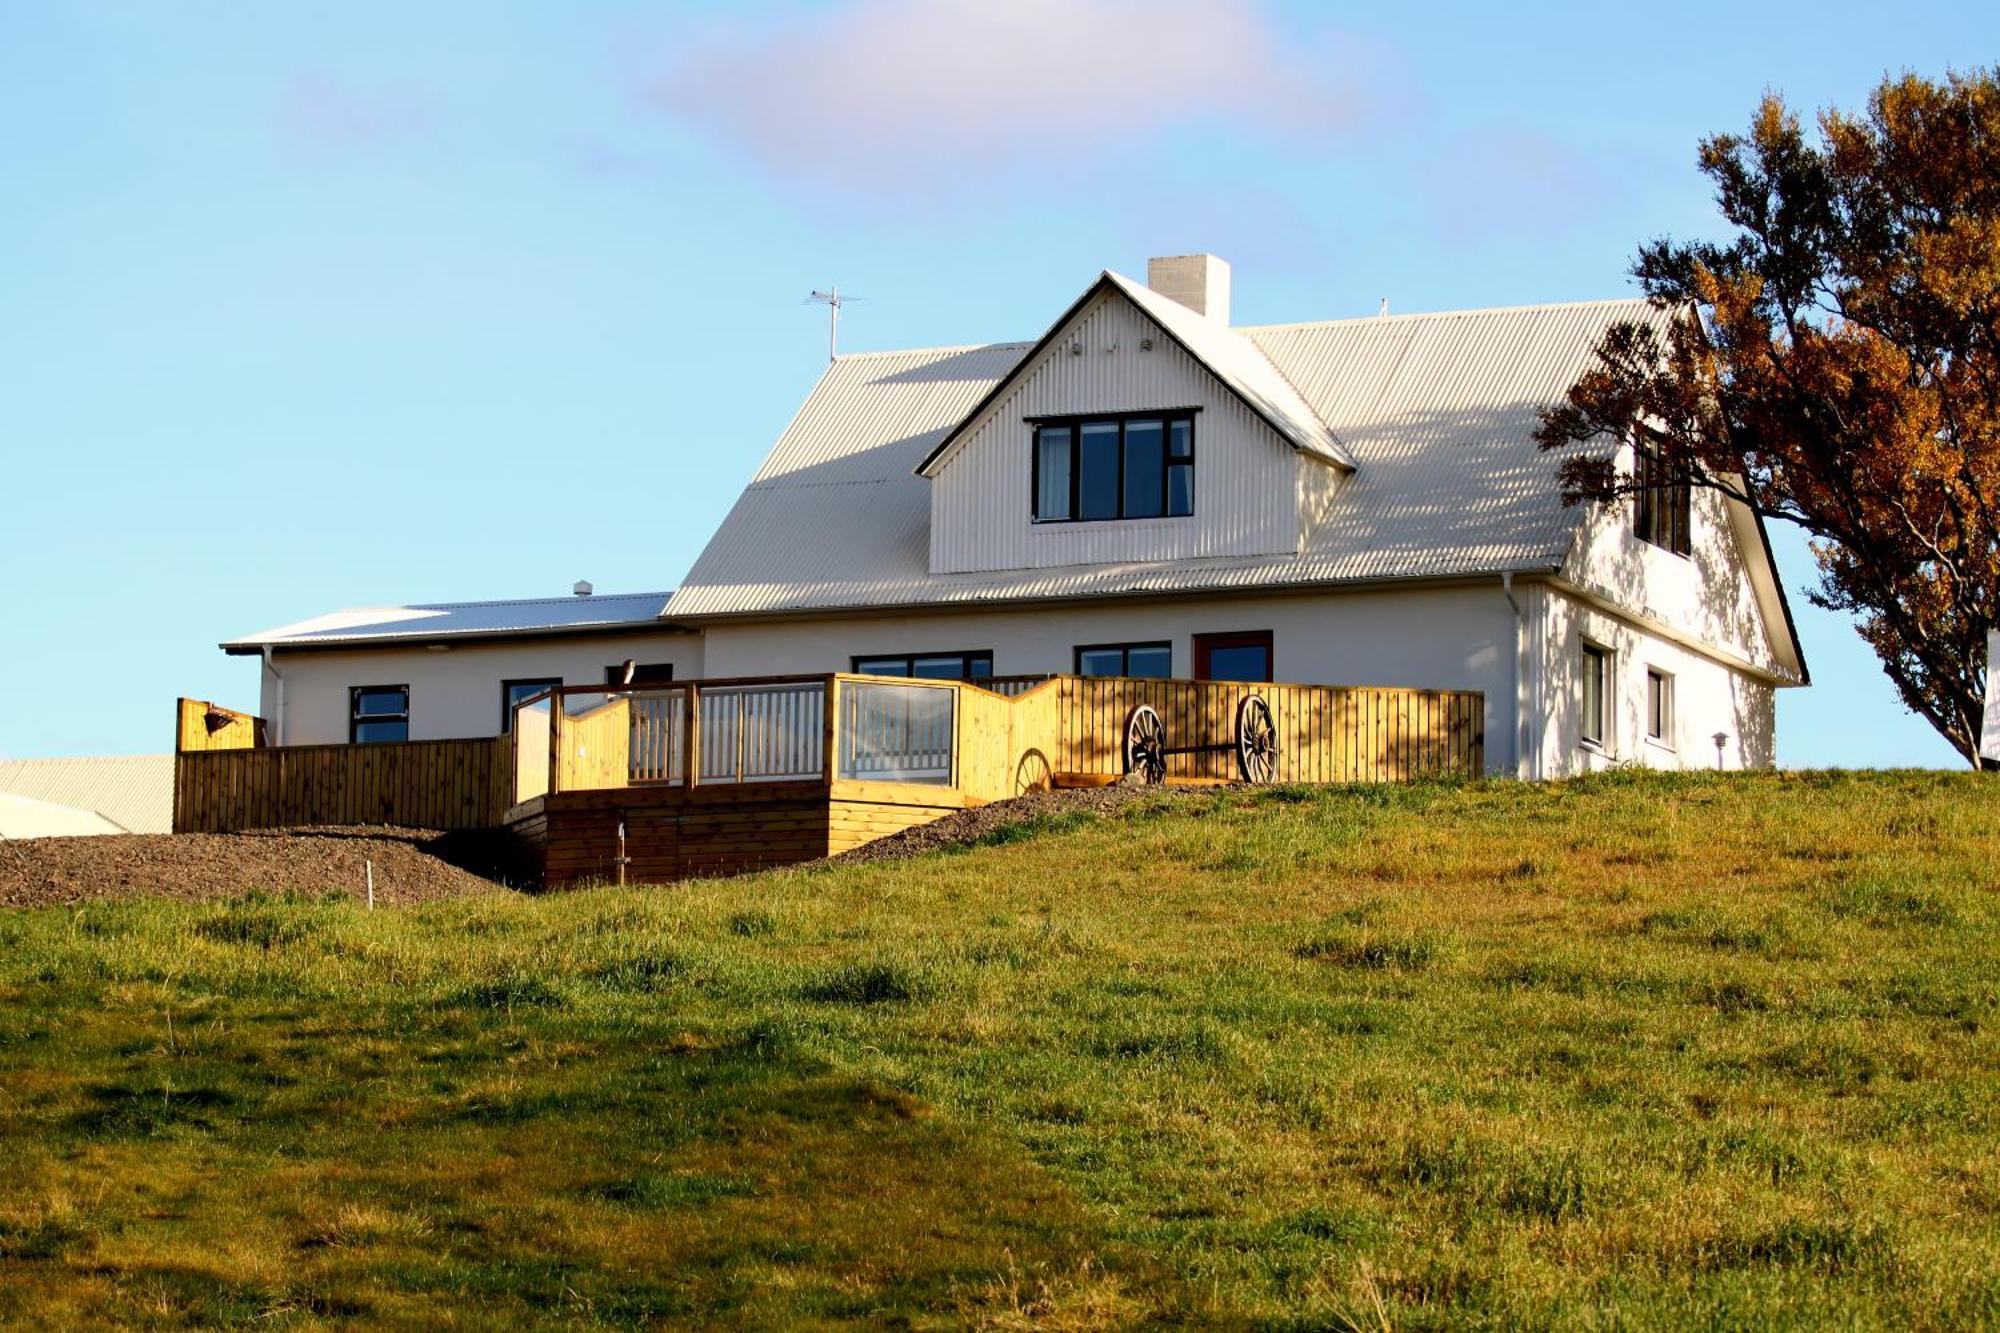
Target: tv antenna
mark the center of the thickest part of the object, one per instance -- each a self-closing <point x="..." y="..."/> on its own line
<point x="833" y="301"/>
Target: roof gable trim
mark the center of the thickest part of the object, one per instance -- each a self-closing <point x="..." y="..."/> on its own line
<point x="1108" y="281"/>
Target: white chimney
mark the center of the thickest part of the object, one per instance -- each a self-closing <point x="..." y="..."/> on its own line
<point x="1199" y="282"/>
<point x="582" y="588"/>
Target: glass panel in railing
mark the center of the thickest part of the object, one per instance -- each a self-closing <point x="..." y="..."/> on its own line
<point x="658" y="723"/>
<point x="531" y="750"/>
<point x="897" y="733"/>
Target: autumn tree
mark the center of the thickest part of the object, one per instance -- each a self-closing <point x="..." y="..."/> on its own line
<point x="1833" y="364"/>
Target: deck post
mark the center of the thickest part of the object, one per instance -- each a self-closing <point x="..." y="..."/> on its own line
<point x="691" y="745"/>
<point x="555" y="741"/>
<point x="829" y="763"/>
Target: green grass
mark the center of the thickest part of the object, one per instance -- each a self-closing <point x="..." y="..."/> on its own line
<point x="1632" y="1052"/>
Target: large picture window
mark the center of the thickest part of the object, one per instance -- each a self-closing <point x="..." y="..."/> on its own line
<point x="1126" y="659"/>
<point x="1663" y="507"/>
<point x="378" y="713"/>
<point x="929" y="666"/>
<point x="1132" y="465"/>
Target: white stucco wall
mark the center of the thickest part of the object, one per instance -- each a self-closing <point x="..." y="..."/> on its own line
<point x="452" y="694"/>
<point x="1246" y="479"/>
<point x="1709" y="696"/>
<point x="1437" y="638"/>
<point x="1707" y="594"/>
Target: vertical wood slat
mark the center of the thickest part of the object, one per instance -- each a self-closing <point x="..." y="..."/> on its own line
<point x="457" y="784"/>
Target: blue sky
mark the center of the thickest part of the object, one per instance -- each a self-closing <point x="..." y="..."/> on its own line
<point x="316" y="305"/>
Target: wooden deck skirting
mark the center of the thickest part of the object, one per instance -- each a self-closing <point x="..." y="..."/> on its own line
<point x="673" y="833"/>
<point x="717" y="776"/>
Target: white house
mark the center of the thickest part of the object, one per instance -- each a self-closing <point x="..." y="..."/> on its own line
<point x="1148" y="490"/>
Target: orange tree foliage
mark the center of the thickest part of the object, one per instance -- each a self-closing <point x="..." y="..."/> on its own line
<point x="1834" y="364"/>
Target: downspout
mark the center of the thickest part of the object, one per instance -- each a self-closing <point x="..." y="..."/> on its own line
<point x="1520" y="680"/>
<point x="277" y="698"/>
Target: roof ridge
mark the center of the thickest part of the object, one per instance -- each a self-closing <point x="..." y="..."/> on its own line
<point x="1442" y="314"/>
<point x="948" y="347"/>
<point x="575" y="598"/>
<point x="1265" y="328"/>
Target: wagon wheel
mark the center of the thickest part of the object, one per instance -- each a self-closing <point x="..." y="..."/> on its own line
<point x="1256" y="740"/>
<point x="1146" y="745"/>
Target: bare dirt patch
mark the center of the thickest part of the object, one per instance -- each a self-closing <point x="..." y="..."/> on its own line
<point x="411" y="865"/>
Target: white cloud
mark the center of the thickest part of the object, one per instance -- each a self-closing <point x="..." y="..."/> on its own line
<point x="908" y="94"/>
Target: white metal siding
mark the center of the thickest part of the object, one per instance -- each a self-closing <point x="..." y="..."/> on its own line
<point x="1246" y="497"/>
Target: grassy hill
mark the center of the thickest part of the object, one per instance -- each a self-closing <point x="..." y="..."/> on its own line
<point x="1636" y="1051"/>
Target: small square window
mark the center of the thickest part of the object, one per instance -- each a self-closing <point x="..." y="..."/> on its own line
<point x="378" y="713"/>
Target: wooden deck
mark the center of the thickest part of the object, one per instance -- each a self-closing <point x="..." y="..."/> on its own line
<point x="719" y="776"/>
<point x="672" y="834"/>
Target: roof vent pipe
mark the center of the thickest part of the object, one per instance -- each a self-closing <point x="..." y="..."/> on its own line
<point x="1199" y="282"/>
<point x="582" y="588"/>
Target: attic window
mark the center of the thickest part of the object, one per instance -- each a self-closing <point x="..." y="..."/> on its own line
<point x="1662" y="507"/>
<point x="1131" y="465"/>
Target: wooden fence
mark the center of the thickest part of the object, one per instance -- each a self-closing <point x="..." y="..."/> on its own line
<point x="226" y="779"/>
<point x="1325" y="733"/>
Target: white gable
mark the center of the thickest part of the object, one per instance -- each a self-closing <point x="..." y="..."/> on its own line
<point x="1723" y="593"/>
<point x="1112" y="357"/>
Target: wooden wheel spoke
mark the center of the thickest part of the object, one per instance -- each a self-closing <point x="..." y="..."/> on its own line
<point x="1256" y="740"/>
<point x="1146" y="744"/>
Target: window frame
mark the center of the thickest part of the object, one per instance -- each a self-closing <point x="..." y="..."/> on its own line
<point x="1664" y="737"/>
<point x="507" y="697"/>
<point x="1125" y="660"/>
<point x="1603" y="656"/>
<point x="1662" y="507"/>
<point x="1074" y="424"/>
<point x="1204" y="644"/>
<point x="614" y="675"/>
<point x="355" y="718"/>
<point x="909" y="661"/>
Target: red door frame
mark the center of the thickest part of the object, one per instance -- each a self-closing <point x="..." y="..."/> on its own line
<point x="1255" y="638"/>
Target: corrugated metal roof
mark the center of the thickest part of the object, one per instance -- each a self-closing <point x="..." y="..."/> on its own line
<point x="1437" y="411"/>
<point x="134" y="792"/>
<point x="447" y="620"/>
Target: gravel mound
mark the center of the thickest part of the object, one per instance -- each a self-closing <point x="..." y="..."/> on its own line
<point x="411" y="865"/>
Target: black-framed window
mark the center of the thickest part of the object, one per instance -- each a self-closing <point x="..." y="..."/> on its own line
<point x="976" y="665"/>
<point x="513" y="691"/>
<point x="377" y="713"/>
<point x="1663" y="507"/>
<point x="1125" y="659"/>
<point x="1659" y="706"/>
<point x="643" y="673"/>
<point x="1123" y="465"/>
<point x="1596" y="665"/>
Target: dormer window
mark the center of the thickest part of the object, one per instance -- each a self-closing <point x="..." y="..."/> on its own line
<point x="1129" y="465"/>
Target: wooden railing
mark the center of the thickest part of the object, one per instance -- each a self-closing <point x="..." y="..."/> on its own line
<point x="967" y="742"/>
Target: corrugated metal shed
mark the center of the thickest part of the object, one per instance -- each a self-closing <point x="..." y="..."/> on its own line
<point x="452" y="620"/>
<point x="25" y="817"/>
<point x="1436" y="411"/>
<point x="134" y="793"/>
